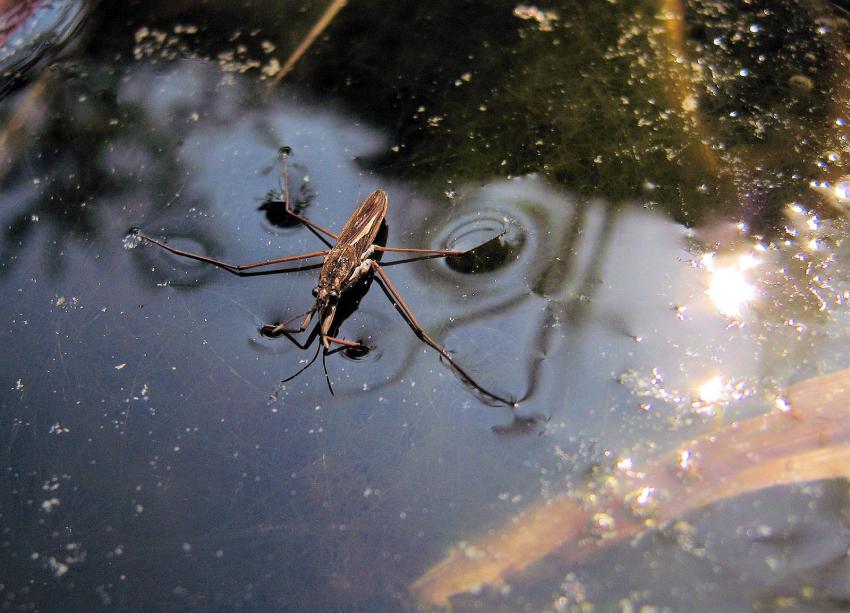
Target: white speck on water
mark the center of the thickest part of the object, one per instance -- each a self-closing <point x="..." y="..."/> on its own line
<point x="58" y="568"/>
<point x="48" y="505"/>
<point x="58" y="428"/>
<point x="782" y="405"/>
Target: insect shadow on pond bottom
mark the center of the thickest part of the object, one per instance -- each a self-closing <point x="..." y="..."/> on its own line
<point x="346" y="262"/>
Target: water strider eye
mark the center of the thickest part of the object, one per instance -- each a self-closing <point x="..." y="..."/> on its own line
<point x="333" y="294"/>
<point x="315" y="292"/>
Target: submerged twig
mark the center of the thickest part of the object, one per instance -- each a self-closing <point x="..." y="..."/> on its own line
<point x="27" y="111"/>
<point x="810" y="442"/>
<point x="679" y="88"/>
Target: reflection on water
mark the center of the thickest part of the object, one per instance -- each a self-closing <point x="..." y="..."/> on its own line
<point x="500" y="241"/>
<point x="32" y="33"/>
<point x="152" y="456"/>
<point x="729" y="289"/>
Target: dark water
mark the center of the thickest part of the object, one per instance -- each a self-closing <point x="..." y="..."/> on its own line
<point x="666" y="267"/>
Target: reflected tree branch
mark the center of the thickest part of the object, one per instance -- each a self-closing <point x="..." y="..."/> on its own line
<point x="319" y="27"/>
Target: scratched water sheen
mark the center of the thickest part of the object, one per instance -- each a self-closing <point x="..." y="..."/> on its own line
<point x="666" y="179"/>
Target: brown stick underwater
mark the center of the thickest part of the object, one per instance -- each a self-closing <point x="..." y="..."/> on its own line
<point x="808" y="443"/>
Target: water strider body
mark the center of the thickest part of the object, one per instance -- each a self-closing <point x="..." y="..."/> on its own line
<point x="348" y="260"/>
<point x="345" y="262"/>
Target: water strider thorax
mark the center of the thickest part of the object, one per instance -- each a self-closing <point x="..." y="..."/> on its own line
<point x="337" y="269"/>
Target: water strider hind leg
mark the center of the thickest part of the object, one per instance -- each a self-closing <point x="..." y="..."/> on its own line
<point x="401" y="305"/>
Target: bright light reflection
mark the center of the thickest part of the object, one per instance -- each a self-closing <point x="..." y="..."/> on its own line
<point x="839" y="193"/>
<point x="747" y="261"/>
<point x="645" y="495"/>
<point x="685" y="460"/>
<point x="728" y="289"/>
<point x="711" y="390"/>
<point x="625" y="464"/>
<point x="842" y="190"/>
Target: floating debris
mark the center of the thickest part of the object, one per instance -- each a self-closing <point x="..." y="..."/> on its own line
<point x="544" y="19"/>
<point x="132" y="239"/>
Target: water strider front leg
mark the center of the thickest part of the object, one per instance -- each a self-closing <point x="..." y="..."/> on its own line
<point x="345" y="343"/>
<point x="277" y="329"/>
<point x="283" y="329"/>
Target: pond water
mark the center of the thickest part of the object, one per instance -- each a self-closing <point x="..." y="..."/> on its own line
<point x="667" y="182"/>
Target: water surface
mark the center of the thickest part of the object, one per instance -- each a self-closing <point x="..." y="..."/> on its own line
<point x="668" y="267"/>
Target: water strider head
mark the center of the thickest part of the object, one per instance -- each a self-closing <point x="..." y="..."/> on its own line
<point x="326" y="301"/>
<point x="325" y="297"/>
<point x="334" y="277"/>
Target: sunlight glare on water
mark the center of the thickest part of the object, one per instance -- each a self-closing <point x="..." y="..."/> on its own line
<point x="729" y="288"/>
<point x="711" y="390"/>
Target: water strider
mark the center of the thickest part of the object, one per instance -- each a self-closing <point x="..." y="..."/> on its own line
<point x="347" y="260"/>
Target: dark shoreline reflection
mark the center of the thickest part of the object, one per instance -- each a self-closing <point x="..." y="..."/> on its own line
<point x="695" y="108"/>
